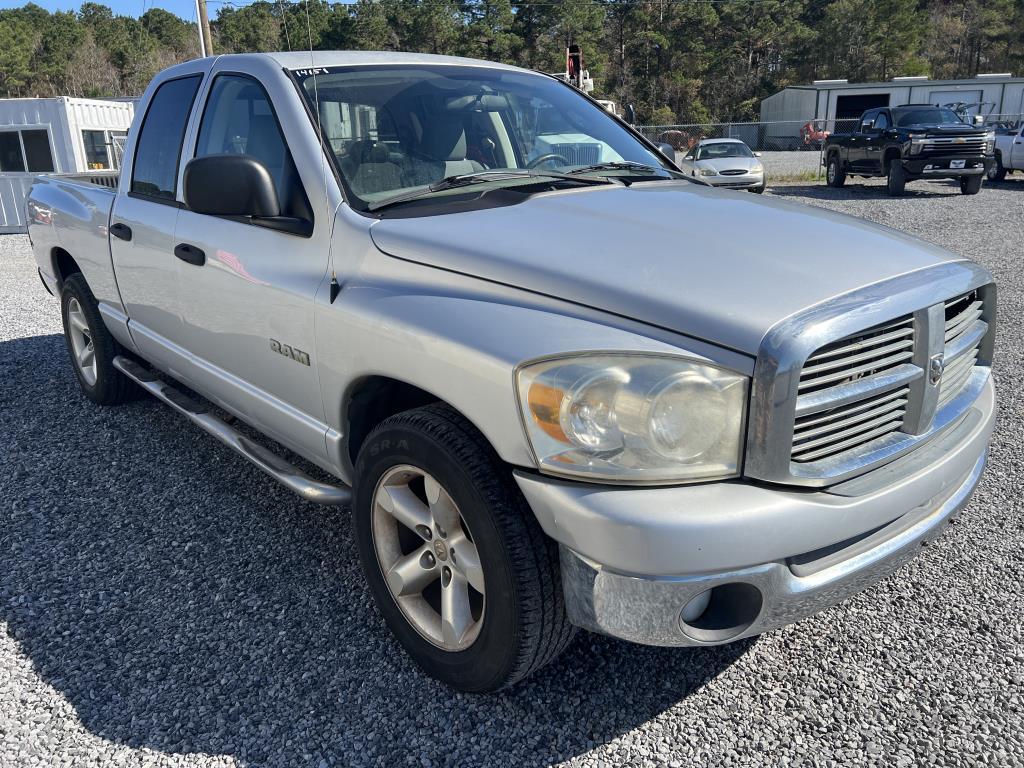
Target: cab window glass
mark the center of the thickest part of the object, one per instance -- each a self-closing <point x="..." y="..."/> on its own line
<point x="882" y="121"/>
<point x="158" y="152"/>
<point x="238" y="120"/>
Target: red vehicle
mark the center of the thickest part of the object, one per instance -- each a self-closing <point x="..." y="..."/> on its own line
<point x="813" y="132"/>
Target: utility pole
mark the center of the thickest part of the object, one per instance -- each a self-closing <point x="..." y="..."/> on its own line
<point x="204" y="29"/>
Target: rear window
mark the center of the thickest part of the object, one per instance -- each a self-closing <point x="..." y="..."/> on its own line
<point x="155" y="172"/>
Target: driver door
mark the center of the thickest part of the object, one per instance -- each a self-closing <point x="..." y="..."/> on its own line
<point x="247" y="291"/>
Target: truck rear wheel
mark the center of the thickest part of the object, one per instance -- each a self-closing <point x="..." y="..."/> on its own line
<point x="896" y="181"/>
<point x="835" y="175"/>
<point x="458" y="566"/>
<point x="970" y="185"/>
<point x="91" y="347"/>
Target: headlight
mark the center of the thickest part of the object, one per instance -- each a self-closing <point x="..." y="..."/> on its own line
<point x="757" y="169"/>
<point x="708" y="171"/>
<point x="990" y="142"/>
<point x="917" y="143"/>
<point x="633" y="418"/>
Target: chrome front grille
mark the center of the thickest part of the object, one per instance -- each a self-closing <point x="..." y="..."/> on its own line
<point x="850" y="391"/>
<point x="954" y="146"/>
<point x="734" y="172"/>
<point x="855" y="357"/>
<point x="886" y="384"/>
<point x="964" y="333"/>
<point x="861" y="379"/>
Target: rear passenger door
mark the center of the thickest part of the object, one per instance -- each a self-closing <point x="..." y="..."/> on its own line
<point x="874" y="143"/>
<point x="247" y="306"/>
<point x="143" y="219"/>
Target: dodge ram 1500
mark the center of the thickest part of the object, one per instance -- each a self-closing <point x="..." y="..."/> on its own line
<point x="553" y="383"/>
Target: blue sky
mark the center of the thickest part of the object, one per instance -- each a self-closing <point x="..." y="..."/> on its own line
<point x="183" y="8"/>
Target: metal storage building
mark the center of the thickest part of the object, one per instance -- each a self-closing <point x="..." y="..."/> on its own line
<point x="829" y="101"/>
<point x="58" y="135"/>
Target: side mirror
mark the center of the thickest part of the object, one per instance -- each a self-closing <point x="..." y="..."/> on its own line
<point x="978" y="119"/>
<point x="238" y="185"/>
<point x="757" y="154"/>
<point x="667" y="150"/>
<point x="230" y="185"/>
<point x="630" y="114"/>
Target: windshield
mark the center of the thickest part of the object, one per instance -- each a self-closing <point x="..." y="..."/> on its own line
<point x="395" y="129"/>
<point x="725" y="149"/>
<point x="927" y="117"/>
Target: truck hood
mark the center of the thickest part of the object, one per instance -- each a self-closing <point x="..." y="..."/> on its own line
<point x="720" y="266"/>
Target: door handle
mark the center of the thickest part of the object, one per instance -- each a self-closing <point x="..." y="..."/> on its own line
<point x="121" y="231"/>
<point x="190" y="253"/>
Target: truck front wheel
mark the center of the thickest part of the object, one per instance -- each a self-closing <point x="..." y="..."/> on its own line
<point x="970" y="185"/>
<point x="996" y="171"/>
<point x="896" y="181"/>
<point x="458" y="566"/>
<point x="91" y="347"/>
<point x="835" y="174"/>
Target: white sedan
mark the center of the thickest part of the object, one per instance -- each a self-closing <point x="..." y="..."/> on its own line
<point x="725" y="163"/>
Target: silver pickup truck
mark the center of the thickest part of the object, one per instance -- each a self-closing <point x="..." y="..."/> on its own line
<point x="560" y="384"/>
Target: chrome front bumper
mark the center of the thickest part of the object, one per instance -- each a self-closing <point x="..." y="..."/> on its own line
<point x="766" y="556"/>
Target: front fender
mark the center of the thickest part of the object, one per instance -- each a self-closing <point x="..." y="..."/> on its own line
<point x="460" y="347"/>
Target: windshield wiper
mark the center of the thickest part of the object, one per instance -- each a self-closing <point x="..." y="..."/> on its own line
<point x="479" y="177"/>
<point x="617" y="165"/>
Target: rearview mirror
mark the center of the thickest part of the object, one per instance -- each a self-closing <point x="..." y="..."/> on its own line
<point x="230" y="185"/>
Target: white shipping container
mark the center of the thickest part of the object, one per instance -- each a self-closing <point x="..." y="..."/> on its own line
<point x="58" y="135"/>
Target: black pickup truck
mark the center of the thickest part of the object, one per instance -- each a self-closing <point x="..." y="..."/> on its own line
<point x="915" y="141"/>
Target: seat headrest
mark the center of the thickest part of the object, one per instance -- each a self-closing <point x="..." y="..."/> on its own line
<point x="444" y="138"/>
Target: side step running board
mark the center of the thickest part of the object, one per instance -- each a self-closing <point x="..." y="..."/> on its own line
<point x="275" y="466"/>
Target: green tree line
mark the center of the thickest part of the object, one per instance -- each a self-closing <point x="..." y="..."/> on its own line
<point x="676" y="60"/>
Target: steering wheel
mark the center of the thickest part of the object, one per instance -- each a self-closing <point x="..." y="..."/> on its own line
<point x="545" y="158"/>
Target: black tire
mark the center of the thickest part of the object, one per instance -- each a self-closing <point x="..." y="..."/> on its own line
<point x="835" y="174"/>
<point x="111" y="387"/>
<point x="996" y="171"/>
<point x="896" y="179"/>
<point x="524" y="624"/>
<point x="759" y="190"/>
<point x="970" y="185"/>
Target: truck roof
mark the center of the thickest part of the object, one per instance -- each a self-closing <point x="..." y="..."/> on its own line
<point x="307" y="59"/>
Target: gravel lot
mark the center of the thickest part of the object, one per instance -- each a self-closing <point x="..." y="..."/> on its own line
<point x="163" y="603"/>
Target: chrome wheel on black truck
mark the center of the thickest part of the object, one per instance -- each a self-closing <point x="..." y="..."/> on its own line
<point x="458" y="566"/>
<point x="834" y="173"/>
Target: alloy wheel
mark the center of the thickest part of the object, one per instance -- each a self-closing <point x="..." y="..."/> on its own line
<point x="82" y="344"/>
<point x="428" y="558"/>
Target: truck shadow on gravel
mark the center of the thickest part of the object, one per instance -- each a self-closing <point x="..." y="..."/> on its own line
<point x="183" y="602"/>
<point x="856" y="191"/>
